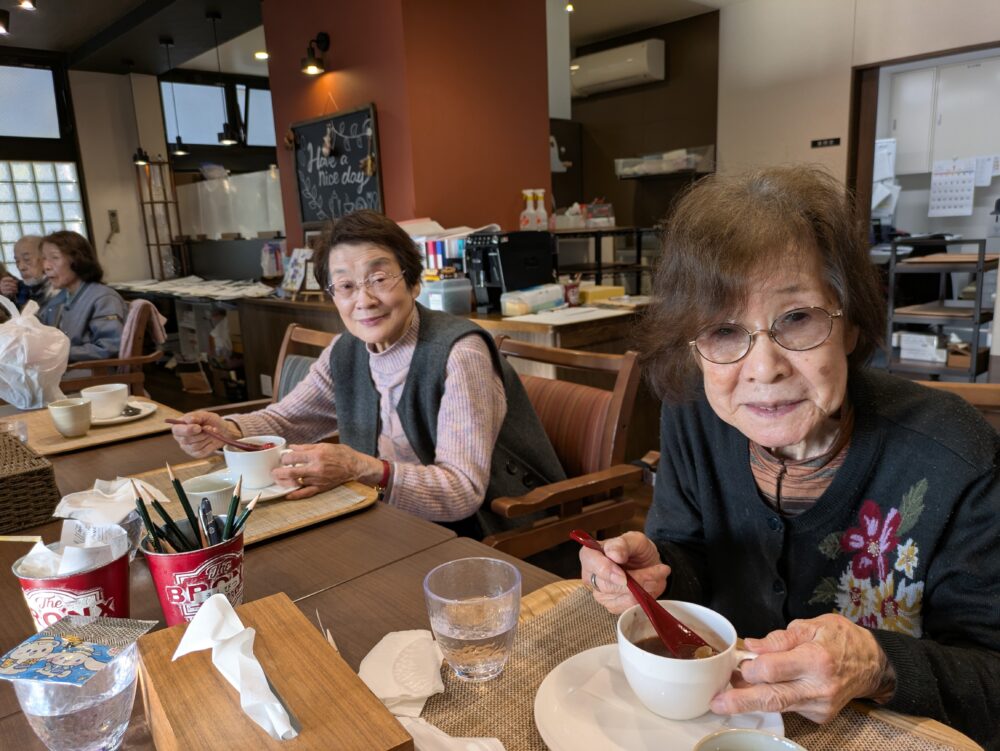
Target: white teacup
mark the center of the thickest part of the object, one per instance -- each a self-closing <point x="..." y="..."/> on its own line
<point x="255" y="466"/>
<point x="218" y="491"/>
<point x="71" y="416"/>
<point x="744" y="739"/>
<point x="108" y="399"/>
<point x="673" y="688"/>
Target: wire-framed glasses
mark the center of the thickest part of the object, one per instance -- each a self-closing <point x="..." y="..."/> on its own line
<point x="377" y="284"/>
<point x="797" y="330"/>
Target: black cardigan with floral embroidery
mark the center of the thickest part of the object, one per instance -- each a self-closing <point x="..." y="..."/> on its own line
<point x="905" y="541"/>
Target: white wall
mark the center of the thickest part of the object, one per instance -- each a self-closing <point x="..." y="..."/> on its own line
<point x="785" y="67"/>
<point x="107" y="131"/>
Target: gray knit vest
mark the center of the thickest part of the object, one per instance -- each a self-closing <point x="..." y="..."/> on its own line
<point x="523" y="457"/>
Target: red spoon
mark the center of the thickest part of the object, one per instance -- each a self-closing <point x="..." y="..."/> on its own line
<point x="225" y="439"/>
<point x="680" y="640"/>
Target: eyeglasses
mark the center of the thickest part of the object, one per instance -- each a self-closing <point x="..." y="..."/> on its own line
<point x="797" y="330"/>
<point x="377" y="284"/>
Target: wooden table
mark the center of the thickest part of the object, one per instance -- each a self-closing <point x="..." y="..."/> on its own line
<point x="77" y="470"/>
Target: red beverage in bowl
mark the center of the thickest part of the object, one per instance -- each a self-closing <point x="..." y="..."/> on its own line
<point x="183" y="581"/>
<point x="100" y="591"/>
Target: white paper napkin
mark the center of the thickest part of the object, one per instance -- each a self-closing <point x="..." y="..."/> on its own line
<point x="217" y="627"/>
<point x="81" y="546"/>
<point x="108" y="502"/>
<point x="427" y="737"/>
<point x="404" y="670"/>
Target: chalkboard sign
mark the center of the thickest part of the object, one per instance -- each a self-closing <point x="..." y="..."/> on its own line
<point x="337" y="165"/>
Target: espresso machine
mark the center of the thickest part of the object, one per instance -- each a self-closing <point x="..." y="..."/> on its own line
<point x="506" y="262"/>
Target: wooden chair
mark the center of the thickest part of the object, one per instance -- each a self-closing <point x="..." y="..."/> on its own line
<point x="118" y="369"/>
<point x="588" y="427"/>
<point x="299" y="350"/>
<point x="983" y="396"/>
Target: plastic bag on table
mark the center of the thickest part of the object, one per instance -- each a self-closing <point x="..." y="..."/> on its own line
<point x="33" y="358"/>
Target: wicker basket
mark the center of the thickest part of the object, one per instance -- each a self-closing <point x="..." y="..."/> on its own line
<point x="28" y="492"/>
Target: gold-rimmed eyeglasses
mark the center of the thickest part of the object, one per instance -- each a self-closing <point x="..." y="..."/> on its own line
<point x="797" y="330"/>
<point x="376" y="284"/>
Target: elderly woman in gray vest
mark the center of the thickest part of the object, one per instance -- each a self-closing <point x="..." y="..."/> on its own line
<point x="91" y="314"/>
<point x="425" y="406"/>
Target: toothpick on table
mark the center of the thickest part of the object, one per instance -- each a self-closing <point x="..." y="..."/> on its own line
<point x="20" y="538"/>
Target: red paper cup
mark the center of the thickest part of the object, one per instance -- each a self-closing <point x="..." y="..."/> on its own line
<point x="102" y="591"/>
<point x="183" y="581"/>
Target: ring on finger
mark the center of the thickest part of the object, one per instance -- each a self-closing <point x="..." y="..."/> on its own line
<point x="593" y="582"/>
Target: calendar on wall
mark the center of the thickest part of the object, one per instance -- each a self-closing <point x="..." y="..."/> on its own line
<point x="953" y="187"/>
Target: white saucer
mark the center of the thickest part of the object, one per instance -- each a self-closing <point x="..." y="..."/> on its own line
<point x="266" y="494"/>
<point x="585" y="702"/>
<point x="145" y="410"/>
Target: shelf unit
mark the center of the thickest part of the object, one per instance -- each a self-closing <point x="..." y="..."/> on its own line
<point x="598" y="268"/>
<point x="941" y="311"/>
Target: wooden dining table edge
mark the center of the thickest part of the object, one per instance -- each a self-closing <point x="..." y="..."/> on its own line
<point x="545" y="598"/>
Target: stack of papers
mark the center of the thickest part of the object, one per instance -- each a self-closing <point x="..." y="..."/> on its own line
<point x="195" y="286"/>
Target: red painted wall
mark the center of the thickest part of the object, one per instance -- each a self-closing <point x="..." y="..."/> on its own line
<point x="460" y="90"/>
<point x="365" y="64"/>
<point x="479" y="110"/>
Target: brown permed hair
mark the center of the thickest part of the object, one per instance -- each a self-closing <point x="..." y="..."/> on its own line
<point x="369" y="227"/>
<point x="81" y="254"/>
<point x="724" y="235"/>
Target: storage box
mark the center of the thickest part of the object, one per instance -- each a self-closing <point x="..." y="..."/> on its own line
<point x="910" y="340"/>
<point x="593" y="293"/>
<point x="959" y="358"/>
<point x="922" y="354"/>
<point x="450" y="295"/>
<point x="28" y="492"/>
<point x="189" y="705"/>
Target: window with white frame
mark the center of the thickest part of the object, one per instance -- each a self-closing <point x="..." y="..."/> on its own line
<point x="37" y="198"/>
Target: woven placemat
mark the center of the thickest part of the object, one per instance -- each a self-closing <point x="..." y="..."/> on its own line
<point x="504" y="708"/>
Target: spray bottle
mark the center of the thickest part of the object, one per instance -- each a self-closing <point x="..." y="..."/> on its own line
<point x="541" y="215"/>
<point x="527" y="221"/>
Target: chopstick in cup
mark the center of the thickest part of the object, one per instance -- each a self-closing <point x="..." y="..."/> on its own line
<point x="182" y="497"/>
<point x="140" y="506"/>
<point x="234" y="505"/>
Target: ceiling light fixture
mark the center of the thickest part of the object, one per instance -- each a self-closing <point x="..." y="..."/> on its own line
<point x="4" y="22"/>
<point x="569" y="7"/>
<point x="140" y="157"/>
<point x="260" y="55"/>
<point x="27" y="5"/>
<point x="178" y="148"/>
<point x="312" y="63"/>
<point x="230" y="135"/>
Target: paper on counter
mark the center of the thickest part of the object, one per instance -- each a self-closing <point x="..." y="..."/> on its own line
<point x="217" y="627"/>
<point x="108" y="502"/>
<point x="427" y="737"/>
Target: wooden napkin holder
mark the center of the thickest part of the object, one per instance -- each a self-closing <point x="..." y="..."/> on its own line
<point x="189" y="705"/>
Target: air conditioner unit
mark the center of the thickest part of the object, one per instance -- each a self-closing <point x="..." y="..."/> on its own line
<point x="630" y="65"/>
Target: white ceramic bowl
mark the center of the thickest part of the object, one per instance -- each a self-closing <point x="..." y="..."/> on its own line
<point x="255" y="466"/>
<point x="744" y="739"/>
<point x="673" y="688"/>
<point x="107" y="400"/>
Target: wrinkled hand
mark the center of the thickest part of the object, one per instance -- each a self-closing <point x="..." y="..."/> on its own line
<point x="195" y="441"/>
<point x="321" y="466"/>
<point x="8" y="287"/>
<point x="633" y="551"/>
<point x="813" y="667"/>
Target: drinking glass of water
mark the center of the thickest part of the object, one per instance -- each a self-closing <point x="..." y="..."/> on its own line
<point x="91" y="717"/>
<point x="473" y="604"/>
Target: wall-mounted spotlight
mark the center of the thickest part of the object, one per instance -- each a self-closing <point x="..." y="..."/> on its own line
<point x="312" y="63"/>
<point x="4" y="22"/>
<point x="140" y="157"/>
<point x="569" y="7"/>
<point x="27" y="4"/>
<point x="260" y="55"/>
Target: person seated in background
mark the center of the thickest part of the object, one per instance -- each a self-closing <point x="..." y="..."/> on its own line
<point x="91" y="314"/>
<point x="425" y="405"/>
<point x="845" y="519"/>
<point x="33" y="285"/>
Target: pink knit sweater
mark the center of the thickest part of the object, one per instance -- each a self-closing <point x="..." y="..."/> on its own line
<point x="472" y="410"/>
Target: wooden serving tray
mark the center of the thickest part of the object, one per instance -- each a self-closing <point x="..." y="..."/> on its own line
<point x="46" y="440"/>
<point x="269" y="518"/>
<point x="189" y="705"/>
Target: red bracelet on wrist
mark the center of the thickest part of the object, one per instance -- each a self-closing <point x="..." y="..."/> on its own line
<point x="386" y="467"/>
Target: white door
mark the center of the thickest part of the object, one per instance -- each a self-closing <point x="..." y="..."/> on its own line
<point x="911" y="97"/>
<point x="968" y="110"/>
